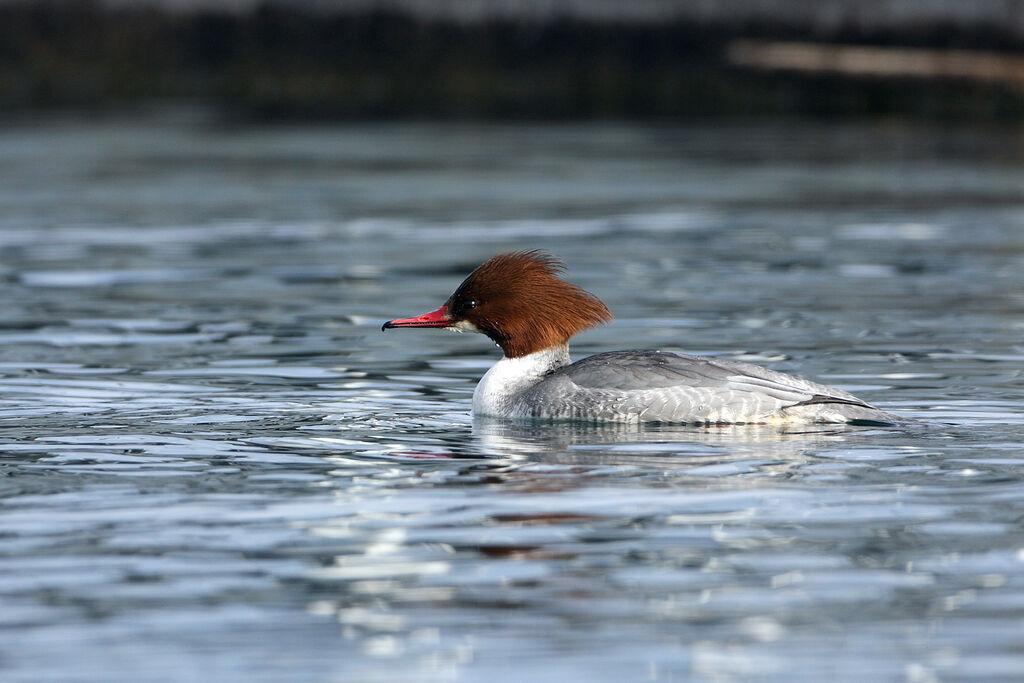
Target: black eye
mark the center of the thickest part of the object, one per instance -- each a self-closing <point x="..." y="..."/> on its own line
<point x="469" y="305"/>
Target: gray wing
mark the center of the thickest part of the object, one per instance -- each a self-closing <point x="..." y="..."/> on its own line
<point x="675" y="387"/>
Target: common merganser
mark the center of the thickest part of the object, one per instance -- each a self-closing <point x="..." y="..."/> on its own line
<point x="519" y="301"/>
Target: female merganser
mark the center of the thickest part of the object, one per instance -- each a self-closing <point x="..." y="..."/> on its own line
<point x="518" y="300"/>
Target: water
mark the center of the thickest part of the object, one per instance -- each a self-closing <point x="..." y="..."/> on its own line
<point x="218" y="468"/>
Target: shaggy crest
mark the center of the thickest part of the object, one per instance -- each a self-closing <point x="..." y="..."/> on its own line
<point x="519" y="301"/>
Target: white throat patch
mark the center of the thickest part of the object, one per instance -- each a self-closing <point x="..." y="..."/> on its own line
<point x="463" y="326"/>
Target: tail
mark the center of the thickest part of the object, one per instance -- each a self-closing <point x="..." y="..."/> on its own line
<point x="838" y="412"/>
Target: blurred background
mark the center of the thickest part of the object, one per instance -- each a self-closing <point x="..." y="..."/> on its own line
<point x="502" y="59"/>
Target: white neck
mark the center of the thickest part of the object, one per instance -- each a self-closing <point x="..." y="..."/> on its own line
<point x="496" y="393"/>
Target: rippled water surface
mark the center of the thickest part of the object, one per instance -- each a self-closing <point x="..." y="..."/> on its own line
<point x="216" y="467"/>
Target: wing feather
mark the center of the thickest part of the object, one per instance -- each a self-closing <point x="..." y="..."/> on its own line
<point x="665" y="386"/>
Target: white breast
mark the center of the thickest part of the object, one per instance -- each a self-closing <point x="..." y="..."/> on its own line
<point x="496" y="393"/>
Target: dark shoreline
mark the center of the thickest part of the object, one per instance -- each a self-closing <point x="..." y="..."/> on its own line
<point x="277" y="63"/>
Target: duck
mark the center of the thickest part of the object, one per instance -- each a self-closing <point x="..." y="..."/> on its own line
<point x="520" y="301"/>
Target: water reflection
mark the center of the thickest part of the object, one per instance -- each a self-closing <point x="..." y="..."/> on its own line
<point x="585" y="539"/>
<point x="207" y="441"/>
<point x="657" y="446"/>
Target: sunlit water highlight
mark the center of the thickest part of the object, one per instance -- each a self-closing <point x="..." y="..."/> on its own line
<point x="218" y="468"/>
